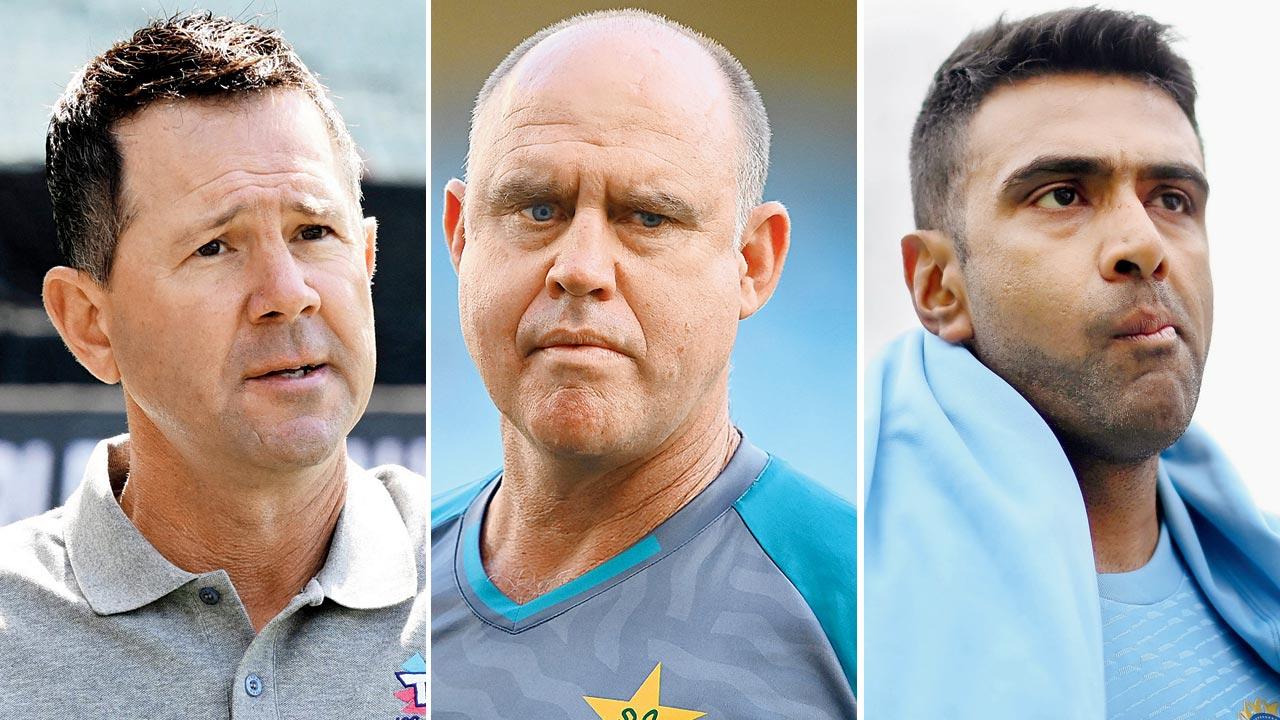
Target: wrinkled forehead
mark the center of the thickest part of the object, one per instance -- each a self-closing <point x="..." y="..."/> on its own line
<point x="173" y="147"/>
<point x="611" y="82"/>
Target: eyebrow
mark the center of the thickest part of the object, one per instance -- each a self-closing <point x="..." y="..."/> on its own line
<point x="661" y="203"/>
<point x="1047" y="166"/>
<point x="315" y="207"/>
<point x="521" y="190"/>
<point x="310" y="206"/>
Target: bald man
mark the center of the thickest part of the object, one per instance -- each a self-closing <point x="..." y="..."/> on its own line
<point x="635" y="557"/>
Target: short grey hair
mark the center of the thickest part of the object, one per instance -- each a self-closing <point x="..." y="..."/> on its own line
<point x="748" y="108"/>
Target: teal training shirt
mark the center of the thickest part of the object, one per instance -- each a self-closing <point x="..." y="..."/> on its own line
<point x="741" y="605"/>
<point x="1169" y="655"/>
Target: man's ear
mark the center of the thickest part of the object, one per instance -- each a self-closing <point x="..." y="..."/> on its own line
<point x="766" y="237"/>
<point x="455" y="231"/>
<point x="933" y="276"/>
<point x="76" y="304"/>
<point x="371" y="244"/>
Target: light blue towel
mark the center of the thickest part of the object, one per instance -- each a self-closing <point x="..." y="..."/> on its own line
<point x="981" y="595"/>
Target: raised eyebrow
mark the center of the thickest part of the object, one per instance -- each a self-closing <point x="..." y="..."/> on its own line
<point x="216" y="221"/>
<point x="520" y="191"/>
<point x="317" y="208"/>
<point x="661" y="203"/>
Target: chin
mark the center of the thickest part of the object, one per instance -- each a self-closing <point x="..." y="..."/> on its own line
<point x="578" y="425"/>
<point x="297" y="443"/>
<point x="1138" y="431"/>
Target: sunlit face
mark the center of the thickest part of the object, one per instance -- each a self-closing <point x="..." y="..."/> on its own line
<point x="238" y="305"/>
<point x="599" y="282"/>
<point x="1087" y="271"/>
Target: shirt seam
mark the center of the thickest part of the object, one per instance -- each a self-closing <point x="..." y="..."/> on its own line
<point x="822" y="632"/>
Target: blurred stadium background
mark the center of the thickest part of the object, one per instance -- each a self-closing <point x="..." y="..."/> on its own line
<point x="52" y="412"/>
<point x="793" y="387"/>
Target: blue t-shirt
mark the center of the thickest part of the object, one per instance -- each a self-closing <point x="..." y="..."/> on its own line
<point x="1168" y="653"/>
<point x="741" y="605"/>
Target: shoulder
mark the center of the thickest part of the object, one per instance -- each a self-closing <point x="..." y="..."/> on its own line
<point x="451" y="504"/>
<point x="407" y="489"/>
<point x="33" y="558"/>
<point x="811" y="535"/>
<point x="784" y="506"/>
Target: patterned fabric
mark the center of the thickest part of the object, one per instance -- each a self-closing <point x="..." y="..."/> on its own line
<point x="696" y="618"/>
<point x="1169" y="655"/>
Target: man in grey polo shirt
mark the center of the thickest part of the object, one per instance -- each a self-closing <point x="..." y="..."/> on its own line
<point x="224" y="559"/>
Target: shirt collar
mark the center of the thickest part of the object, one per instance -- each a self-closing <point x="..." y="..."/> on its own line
<point x="115" y="566"/>
<point x="370" y="563"/>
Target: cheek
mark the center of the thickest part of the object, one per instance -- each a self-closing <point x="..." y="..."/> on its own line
<point x="1027" y="299"/>
<point x="346" y="304"/>
<point x="170" y="341"/>
<point x="493" y="291"/>
<point x="688" y="312"/>
<point x="1197" y="291"/>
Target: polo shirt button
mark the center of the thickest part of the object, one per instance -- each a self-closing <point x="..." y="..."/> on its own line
<point x="210" y="596"/>
<point x="253" y="685"/>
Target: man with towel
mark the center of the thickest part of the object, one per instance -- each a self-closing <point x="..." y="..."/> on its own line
<point x="1045" y="536"/>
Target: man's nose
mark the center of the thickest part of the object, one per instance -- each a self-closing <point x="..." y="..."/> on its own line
<point x="1133" y="245"/>
<point x="281" y="287"/>
<point x="584" y="262"/>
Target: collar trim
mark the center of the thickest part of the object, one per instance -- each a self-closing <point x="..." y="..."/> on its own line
<point x="371" y="563"/>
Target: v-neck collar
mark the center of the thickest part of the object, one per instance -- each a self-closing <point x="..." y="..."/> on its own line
<point x="494" y="607"/>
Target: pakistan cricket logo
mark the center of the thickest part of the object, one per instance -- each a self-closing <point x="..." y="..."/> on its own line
<point x="643" y="705"/>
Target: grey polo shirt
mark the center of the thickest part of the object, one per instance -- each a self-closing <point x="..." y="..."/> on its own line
<point x="95" y="623"/>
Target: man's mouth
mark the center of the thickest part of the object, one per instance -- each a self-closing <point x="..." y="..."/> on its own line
<point x="575" y="340"/>
<point x="1147" y="325"/>
<point x="1167" y="332"/>
<point x="291" y="373"/>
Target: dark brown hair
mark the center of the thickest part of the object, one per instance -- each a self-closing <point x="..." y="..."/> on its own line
<point x="196" y="56"/>
<point x="1076" y="40"/>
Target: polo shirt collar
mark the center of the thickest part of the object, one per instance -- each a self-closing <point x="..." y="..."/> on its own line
<point x="370" y="563"/>
<point x="117" y="569"/>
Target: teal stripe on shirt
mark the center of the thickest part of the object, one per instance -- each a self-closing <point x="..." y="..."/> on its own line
<point x="811" y="535"/>
<point x="498" y="601"/>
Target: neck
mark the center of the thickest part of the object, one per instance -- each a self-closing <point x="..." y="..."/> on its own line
<point x="1120" y="499"/>
<point x="553" y="519"/>
<point x="269" y="531"/>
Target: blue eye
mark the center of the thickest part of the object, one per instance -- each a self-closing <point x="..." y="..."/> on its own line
<point x="650" y="220"/>
<point x="542" y="212"/>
